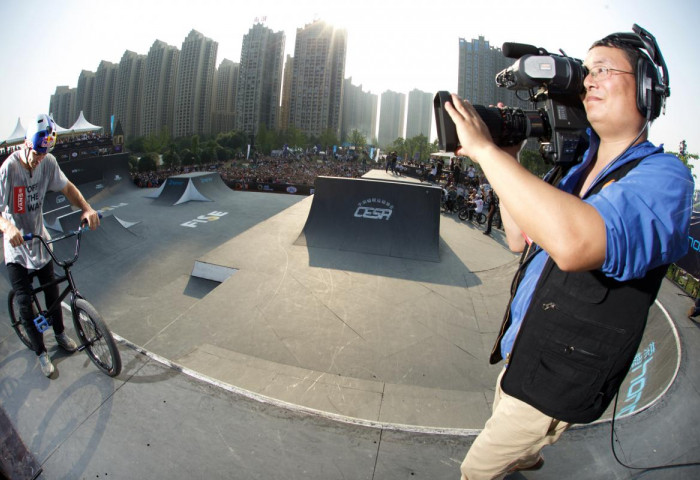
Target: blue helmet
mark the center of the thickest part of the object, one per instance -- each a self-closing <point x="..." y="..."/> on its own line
<point x="42" y="133"/>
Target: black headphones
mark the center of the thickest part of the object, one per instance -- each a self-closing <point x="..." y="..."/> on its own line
<point x="651" y="73"/>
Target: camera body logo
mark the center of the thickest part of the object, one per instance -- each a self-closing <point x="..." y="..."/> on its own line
<point x="374" y="209"/>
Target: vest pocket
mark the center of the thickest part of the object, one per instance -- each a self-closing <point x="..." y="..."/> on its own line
<point x="565" y="379"/>
<point x="584" y="287"/>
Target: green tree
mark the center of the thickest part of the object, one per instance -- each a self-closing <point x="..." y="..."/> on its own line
<point x="222" y="154"/>
<point x="328" y="139"/>
<point x="266" y="140"/>
<point x="135" y="145"/>
<point x="188" y="157"/>
<point x="685" y="157"/>
<point x="148" y="162"/>
<point x="295" y="138"/>
<point x="233" y="140"/>
<point x="171" y="159"/>
<point x="399" y="146"/>
<point x="207" y="155"/>
<point x="157" y="142"/>
<point x="419" y="145"/>
<point x="194" y="145"/>
<point x="533" y="162"/>
<point x="358" y="140"/>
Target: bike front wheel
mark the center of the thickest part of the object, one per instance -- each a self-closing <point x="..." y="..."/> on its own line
<point x="16" y="320"/>
<point x="463" y="213"/>
<point x="96" y="338"/>
<point x="481" y="218"/>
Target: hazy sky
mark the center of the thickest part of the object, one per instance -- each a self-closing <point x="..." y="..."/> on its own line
<point x="392" y="45"/>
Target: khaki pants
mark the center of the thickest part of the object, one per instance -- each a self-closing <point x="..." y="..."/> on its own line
<point x="512" y="438"/>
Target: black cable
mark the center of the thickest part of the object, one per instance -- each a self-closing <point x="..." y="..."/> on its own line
<point x="655" y="467"/>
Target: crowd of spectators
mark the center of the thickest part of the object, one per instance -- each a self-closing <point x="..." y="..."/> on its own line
<point x="266" y="169"/>
<point x="71" y="147"/>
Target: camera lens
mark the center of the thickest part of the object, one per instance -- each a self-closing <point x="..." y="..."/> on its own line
<point x="510" y="126"/>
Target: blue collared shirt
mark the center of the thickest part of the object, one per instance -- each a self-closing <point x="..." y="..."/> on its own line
<point x="646" y="214"/>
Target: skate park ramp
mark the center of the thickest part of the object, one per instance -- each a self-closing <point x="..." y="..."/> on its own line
<point x="378" y="217"/>
<point x="96" y="178"/>
<point x="112" y="237"/>
<point x="190" y="187"/>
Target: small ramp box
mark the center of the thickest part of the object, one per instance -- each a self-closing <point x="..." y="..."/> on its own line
<point x="374" y="216"/>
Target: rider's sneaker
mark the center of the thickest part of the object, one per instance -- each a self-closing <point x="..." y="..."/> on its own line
<point x="66" y="343"/>
<point x="46" y="365"/>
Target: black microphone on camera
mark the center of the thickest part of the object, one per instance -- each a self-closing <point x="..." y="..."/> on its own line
<point x="517" y="50"/>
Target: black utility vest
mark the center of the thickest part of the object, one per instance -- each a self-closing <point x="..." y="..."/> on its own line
<point x="579" y="336"/>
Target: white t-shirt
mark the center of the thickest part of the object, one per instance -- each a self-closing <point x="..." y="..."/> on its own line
<point x="21" y="200"/>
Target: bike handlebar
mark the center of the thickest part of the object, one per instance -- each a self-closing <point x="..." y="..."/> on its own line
<point x="83" y="226"/>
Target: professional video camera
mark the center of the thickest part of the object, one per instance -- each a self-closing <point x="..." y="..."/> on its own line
<point x="554" y="83"/>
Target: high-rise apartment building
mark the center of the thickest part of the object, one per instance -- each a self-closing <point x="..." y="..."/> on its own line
<point x="103" y="101"/>
<point x="316" y="94"/>
<point x="286" y="93"/>
<point x="259" y="80"/>
<point x="62" y="106"/>
<point x="157" y="106"/>
<point x="420" y="113"/>
<point x="359" y="112"/>
<point x="479" y="63"/>
<point x="392" y="116"/>
<point x="84" y="96"/>
<point x="223" y="116"/>
<point x="129" y="92"/>
<point x="194" y="85"/>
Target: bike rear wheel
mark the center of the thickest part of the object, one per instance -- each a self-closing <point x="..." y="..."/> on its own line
<point x="96" y="338"/>
<point x="480" y="218"/>
<point x="16" y="320"/>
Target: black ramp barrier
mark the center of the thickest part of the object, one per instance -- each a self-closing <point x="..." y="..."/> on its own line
<point x="374" y="216"/>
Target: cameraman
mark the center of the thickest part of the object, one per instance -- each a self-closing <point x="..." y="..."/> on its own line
<point x="596" y="246"/>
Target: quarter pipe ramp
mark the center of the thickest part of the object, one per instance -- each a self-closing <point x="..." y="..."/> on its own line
<point x="374" y="216"/>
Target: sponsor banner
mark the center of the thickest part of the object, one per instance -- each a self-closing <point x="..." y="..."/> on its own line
<point x="271" y="187"/>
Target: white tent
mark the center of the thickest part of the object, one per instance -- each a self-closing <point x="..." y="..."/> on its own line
<point x="15" y="137"/>
<point x="82" y="126"/>
<point x="62" y="131"/>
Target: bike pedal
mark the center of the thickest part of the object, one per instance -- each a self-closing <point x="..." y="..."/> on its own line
<point x="41" y="323"/>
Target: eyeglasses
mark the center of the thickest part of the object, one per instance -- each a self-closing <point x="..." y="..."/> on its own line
<point x="603" y="73"/>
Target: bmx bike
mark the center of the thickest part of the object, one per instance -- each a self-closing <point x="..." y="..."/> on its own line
<point x="468" y="212"/>
<point x="94" y="336"/>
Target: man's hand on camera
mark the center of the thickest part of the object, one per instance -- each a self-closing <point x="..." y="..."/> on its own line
<point x="474" y="136"/>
